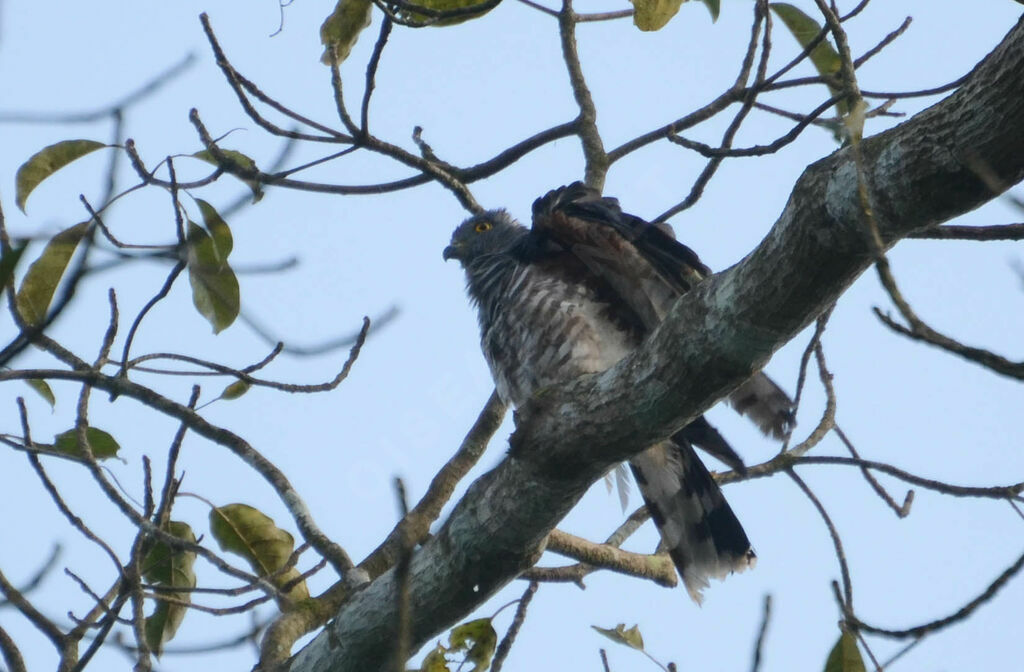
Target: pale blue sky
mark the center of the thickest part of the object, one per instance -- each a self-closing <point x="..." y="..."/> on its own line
<point x="419" y="383"/>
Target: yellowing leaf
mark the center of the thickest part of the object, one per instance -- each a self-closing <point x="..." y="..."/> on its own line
<point x="845" y="656"/>
<point x="46" y="162"/>
<point x="42" y="388"/>
<point x="242" y="160"/>
<point x="248" y="532"/>
<point x="341" y="29"/>
<point x="478" y="639"/>
<point x="43" y="276"/>
<point x="235" y="390"/>
<point x="102" y="444"/>
<point x="631" y="637"/>
<point x="651" y="15"/>
<point x="215" y="290"/>
<point x="824" y="57"/>
<point x="435" y="661"/>
<point x="164" y="566"/>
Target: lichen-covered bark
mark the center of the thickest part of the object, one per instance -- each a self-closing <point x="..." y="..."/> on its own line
<point x="921" y="173"/>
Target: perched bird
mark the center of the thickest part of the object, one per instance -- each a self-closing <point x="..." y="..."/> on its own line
<point x="573" y="295"/>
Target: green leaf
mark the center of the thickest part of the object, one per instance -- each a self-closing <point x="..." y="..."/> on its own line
<point x="825" y="58"/>
<point x="42" y="388"/>
<point x="247" y="532"/>
<point x="215" y="290"/>
<point x="341" y="29"/>
<point x="8" y="262"/>
<point x="218" y="228"/>
<point x="235" y="390"/>
<point x="478" y="639"/>
<point x="242" y="160"/>
<point x="163" y="624"/>
<point x="631" y="637"/>
<point x="444" y="6"/>
<point x="649" y="15"/>
<point x="715" y="7"/>
<point x="102" y="444"/>
<point x="167" y="566"/>
<point x="46" y="162"/>
<point x="845" y="656"/>
<point x="43" y="276"/>
<point x="164" y="566"/>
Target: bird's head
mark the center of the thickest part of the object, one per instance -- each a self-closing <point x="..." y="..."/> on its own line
<point x="488" y="233"/>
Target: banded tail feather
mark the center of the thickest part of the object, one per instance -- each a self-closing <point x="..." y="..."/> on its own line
<point x="697" y="526"/>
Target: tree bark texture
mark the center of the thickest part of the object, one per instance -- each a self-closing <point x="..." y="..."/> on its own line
<point x="918" y="174"/>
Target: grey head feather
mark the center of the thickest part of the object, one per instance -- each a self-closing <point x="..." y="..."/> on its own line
<point x="485" y="245"/>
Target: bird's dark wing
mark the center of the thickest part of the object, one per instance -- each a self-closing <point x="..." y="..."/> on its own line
<point x="612" y="246"/>
<point x="648" y="269"/>
<point x="570" y="214"/>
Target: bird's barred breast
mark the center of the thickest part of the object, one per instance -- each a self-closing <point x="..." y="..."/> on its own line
<point x="558" y="333"/>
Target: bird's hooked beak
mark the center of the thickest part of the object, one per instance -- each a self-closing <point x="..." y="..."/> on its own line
<point x="452" y="252"/>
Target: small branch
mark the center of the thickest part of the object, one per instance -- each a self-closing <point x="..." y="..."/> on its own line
<point x="766" y="616"/>
<point x="901" y="511"/>
<point x="819" y="329"/>
<point x="757" y="150"/>
<point x="886" y="41"/>
<point x="41" y="573"/>
<point x="597" y="161"/>
<point x="440" y="490"/>
<point x="697" y="190"/>
<point x="163" y="292"/>
<point x="12" y="656"/>
<point x="51" y="489"/>
<point x="978" y="233"/>
<point x="144" y="91"/>
<point x="371" y="74"/>
<point x="657" y="568"/>
<point x="919" y="331"/>
<point x="996" y="492"/>
<point x="43" y="624"/>
<point x="414" y="527"/>
<point x="402" y="586"/>
<point x="170" y="486"/>
<point x="828" y="417"/>
<point x="505" y="646"/>
<point x="240" y="85"/>
<point x="836" y="541"/>
<point x="942" y="623"/>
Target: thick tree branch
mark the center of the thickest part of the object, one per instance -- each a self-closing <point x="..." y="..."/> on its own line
<point x="919" y="174"/>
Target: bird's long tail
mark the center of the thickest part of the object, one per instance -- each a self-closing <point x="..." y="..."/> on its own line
<point x="697" y="526"/>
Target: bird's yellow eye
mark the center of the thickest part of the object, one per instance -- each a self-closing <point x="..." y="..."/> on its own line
<point x="482" y="226"/>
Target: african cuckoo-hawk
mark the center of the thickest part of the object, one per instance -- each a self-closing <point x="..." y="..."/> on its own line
<point x="573" y="295"/>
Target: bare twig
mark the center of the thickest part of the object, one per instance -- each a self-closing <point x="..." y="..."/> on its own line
<point x="836" y="541"/>
<point x="941" y="623"/>
<point x="117" y="107"/>
<point x="505" y="646"/>
<point x="766" y="616"/>
<point x="978" y="233"/>
<point x="12" y="655"/>
<point x="597" y="161"/>
<point x="901" y="510"/>
<point x="402" y="596"/>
